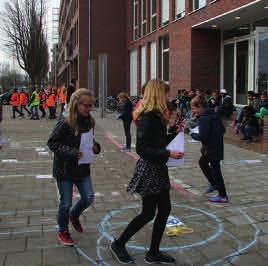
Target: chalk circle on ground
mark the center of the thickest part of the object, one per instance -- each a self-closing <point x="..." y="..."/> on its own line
<point x="106" y="222"/>
<point x="43" y="176"/>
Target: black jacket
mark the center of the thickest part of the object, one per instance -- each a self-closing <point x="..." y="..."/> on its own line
<point x="226" y="107"/>
<point x="70" y="91"/>
<point x="151" y="139"/>
<point x="263" y="104"/>
<point x="211" y="132"/>
<point x="65" y="145"/>
<point x="125" y="110"/>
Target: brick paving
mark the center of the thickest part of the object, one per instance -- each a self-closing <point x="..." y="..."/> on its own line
<point x="236" y="234"/>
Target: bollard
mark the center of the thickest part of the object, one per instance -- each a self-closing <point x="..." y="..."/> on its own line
<point x="265" y="134"/>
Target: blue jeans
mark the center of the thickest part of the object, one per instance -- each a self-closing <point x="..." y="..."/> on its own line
<point x="249" y="131"/>
<point x="65" y="188"/>
<point x="34" y="111"/>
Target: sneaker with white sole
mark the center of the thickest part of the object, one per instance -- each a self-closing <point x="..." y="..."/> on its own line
<point x="65" y="238"/>
<point x="218" y="199"/>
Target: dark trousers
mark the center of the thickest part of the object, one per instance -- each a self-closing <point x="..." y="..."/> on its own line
<point x="161" y="202"/>
<point x="16" y="110"/>
<point x="212" y="171"/>
<point x="127" y="126"/>
<point x="52" y="112"/>
<point x="249" y="131"/>
<point x="23" y="107"/>
<point x="41" y="108"/>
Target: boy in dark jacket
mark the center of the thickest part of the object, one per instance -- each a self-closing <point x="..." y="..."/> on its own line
<point x="211" y="131"/>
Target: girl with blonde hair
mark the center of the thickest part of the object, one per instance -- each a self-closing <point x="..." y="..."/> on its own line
<point x="150" y="178"/>
<point x="64" y="141"/>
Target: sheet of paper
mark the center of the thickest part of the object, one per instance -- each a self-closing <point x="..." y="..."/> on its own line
<point x="44" y="176"/>
<point x="177" y="144"/>
<point x="194" y="130"/>
<point x="173" y="221"/>
<point x="86" y="145"/>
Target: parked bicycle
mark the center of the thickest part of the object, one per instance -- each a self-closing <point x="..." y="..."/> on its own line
<point x="111" y="104"/>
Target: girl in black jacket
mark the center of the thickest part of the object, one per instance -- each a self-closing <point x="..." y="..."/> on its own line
<point x="211" y="132"/>
<point x="64" y="141"/>
<point x="151" y="178"/>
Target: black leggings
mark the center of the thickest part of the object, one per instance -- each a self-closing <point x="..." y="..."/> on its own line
<point x="127" y="126"/>
<point x="212" y="171"/>
<point x="161" y="201"/>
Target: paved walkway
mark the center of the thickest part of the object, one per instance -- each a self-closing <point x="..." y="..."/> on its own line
<point x="236" y="234"/>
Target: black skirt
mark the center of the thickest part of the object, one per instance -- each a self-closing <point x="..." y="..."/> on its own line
<point x="149" y="178"/>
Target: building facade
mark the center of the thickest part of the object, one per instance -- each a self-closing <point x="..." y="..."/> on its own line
<point x="191" y="44"/>
<point x="73" y="46"/>
<point x="200" y="44"/>
<point x="86" y="30"/>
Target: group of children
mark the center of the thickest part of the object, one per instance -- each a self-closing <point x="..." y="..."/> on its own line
<point x="249" y="119"/>
<point x="150" y="179"/>
<point x="39" y="100"/>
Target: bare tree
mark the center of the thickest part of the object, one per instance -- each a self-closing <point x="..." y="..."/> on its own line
<point x="23" y="23"/>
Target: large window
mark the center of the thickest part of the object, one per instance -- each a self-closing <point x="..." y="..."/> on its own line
<point x="179" y="8"/>
<point x="165" y="58"/>
<point x="133" y="73"/>
<point x="143" y="17"/>
<point x="153" y="15"/>
<point x="165" y="12"/>
<point x="135" y="19"/>
<point x="143" y="65"/>
<point x="196" y="4"/>
<point x="153" y="60"/>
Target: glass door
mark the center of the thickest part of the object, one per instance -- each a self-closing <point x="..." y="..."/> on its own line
<point x="237" y="70"/>
<point x="242" y="72"/>
<point x="262" y="59"/>
<point x="228" y="80"/>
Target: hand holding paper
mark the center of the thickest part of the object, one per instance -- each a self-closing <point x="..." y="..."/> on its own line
<point x="176" y="146"/>
<point x="86" y="148"/>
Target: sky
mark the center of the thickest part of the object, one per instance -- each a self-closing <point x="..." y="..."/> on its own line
<point x="4" y="56"/>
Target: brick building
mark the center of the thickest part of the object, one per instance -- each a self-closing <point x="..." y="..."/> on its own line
<point x="201" y="44"/>
<point x="87" y="29"/>
<point x="73" y="51"/>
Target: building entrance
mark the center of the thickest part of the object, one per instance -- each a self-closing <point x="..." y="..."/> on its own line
<point x="245" y="64"/>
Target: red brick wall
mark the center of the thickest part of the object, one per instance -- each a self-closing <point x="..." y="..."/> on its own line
<point x="205" y="59"/>
<point x="265" y="134"/>
<point x="108" y="35"/>
<point x="194" y="55"/>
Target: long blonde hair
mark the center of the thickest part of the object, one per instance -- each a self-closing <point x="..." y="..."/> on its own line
<point x="73" y="110"/>
<point x="154" y="99"/>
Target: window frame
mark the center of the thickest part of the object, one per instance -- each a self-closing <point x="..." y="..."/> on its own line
<point x="180" y="14"/>
<point x="165" y="20"/>
<point x="135" y="20"/>
<point x="143" y="17"/>
<point x="164" y="51"/>
<point x="193" y="4"/>
<point x="153" y="16"/>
